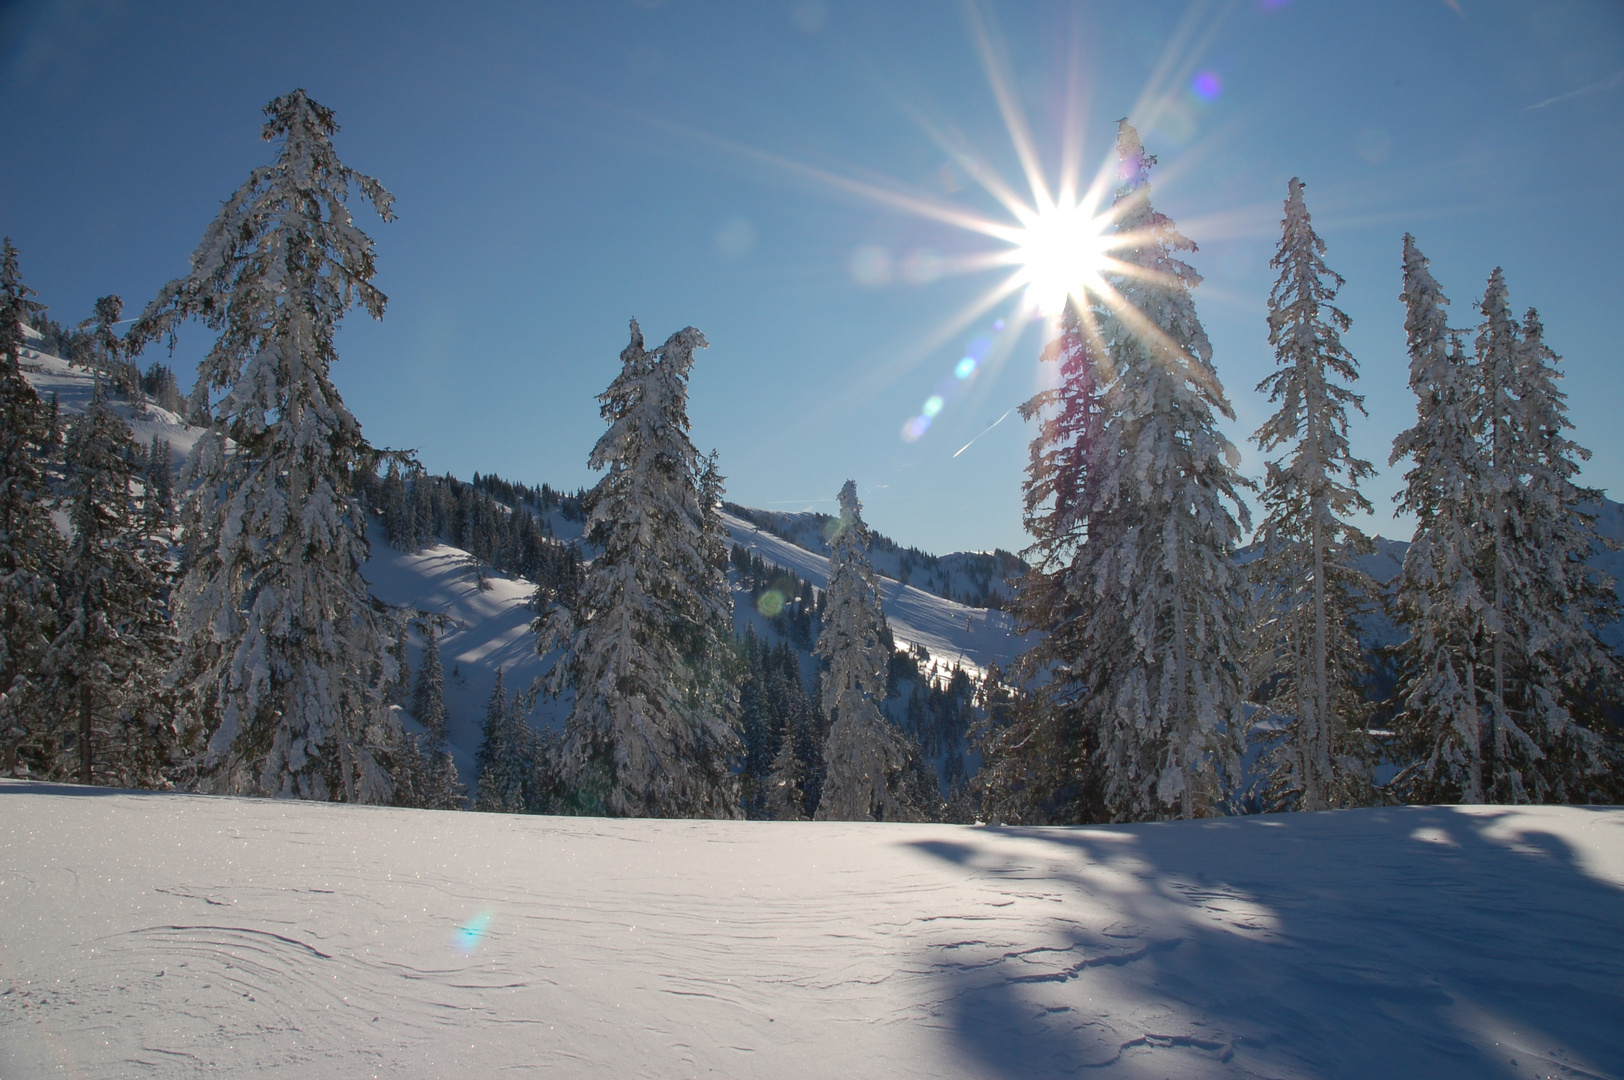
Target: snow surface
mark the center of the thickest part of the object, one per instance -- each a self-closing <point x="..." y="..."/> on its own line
<point x="178" y="935"/>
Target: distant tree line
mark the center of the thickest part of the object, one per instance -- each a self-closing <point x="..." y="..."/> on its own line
<point x="499" y="524"/>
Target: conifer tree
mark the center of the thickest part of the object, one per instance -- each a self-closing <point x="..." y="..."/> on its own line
<point x="866" y="759"/>
<point x="105" y="668"/>
<point x="289" y="653"/>
<point x="1150" y="614"/>
<point x="107" y="349"/>
<point x="1039" y="766"/>
<point x="159" y="478"/>
<point x="715" y="660"/>
<point x="30" y="547"/>
<point x="1448" y="488"/>
<point x="784" y="795"/>
<point x="653" y="731"/>
<point x="1544" y="657"/>
<point x="505" y="753"/>
<point x="759" y="745"/>
<point x="428" y="696"/>
<point x="442" y="786"/>
<point x="1308" y="658"/>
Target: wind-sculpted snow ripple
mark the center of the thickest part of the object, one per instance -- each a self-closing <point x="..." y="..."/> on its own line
<point x="183" y="935"/>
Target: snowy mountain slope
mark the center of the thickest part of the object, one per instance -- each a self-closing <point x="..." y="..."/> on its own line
<point x="484" y="630"/>
<point x="73" y="387"/>
<point x="170" y="935"/>
<point x="953" y="633"/>
<point x="480" y="631"/>
<point x="972" y="577"/>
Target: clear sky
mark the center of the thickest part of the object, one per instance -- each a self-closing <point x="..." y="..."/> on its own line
<point x="562" y="167"/>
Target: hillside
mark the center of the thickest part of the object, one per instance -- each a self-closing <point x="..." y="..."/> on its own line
<point x="484" y="629"/>
<point x="174" y="935"/>
<point x="973" y="578"/>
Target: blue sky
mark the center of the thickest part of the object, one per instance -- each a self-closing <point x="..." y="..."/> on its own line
<point x="559" y="168"/>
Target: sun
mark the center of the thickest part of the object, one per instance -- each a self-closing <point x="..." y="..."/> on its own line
<point x="1059" y="254"/>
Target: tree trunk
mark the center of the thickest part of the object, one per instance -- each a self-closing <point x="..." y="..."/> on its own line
<point x="84" y="733"/>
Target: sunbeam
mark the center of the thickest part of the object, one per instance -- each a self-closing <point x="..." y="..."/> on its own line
<point x="1059" y="241"/>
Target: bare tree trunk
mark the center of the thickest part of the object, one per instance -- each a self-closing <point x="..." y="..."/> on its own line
<point x="84" y="732"/>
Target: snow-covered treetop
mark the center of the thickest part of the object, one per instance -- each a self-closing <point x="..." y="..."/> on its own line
<point x="283" y="260"/>
<point x="852" y="639"/>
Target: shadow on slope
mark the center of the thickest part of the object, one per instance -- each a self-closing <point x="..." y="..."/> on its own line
<point x="1406" y="942"/>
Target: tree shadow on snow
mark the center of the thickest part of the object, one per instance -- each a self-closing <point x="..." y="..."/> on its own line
<point x="1402" y="942"/>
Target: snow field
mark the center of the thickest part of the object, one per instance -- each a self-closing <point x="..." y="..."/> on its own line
<point x="176" y="935"/>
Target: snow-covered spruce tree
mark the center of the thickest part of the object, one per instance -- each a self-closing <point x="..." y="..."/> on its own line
<point x="428" y="696"/>
<point x="784" y="794"/>
<point x="1544" y="661"/>
<point x="437" y="785"/>
<point x="652" y="733"/>
<point x="289" y="653"/>
<point x="1449" y="490"/>
<point x="30" y="547"/>
<point x="104" y="671"/>
<point x="717" y="665"/>
<point x="866" y="759"/>
<point x="505" y="754"/>
<point x="1158" y="642"/>
<point x="1038" y="766"/>
<point x="159" y="479"/>
<point x="1308" y="664"/>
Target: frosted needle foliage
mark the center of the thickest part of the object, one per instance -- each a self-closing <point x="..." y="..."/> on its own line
<point x="1449" y="490"/>
<point x="653" y="730"/>
<point x="1308" y="658"/>
<point x="865" y="756"/>
<point x="290" y="656"/>
<point x="1153" y="616"/>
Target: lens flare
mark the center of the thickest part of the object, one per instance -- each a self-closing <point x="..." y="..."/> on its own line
<point x="470" y="933"/>
<point x="965" y="368"/>
<point x="1206" y="85"/>
<point x="915" y="428"/>
<point x="933" y="405"/>
<point x="771" y="603"/>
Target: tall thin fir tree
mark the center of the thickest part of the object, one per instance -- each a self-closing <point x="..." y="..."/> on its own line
<point x="651" y="734"/>
<point x="159" y="479"/>
<point x="1160" y="631"/>
<point x="1439" y="601"/>
<point x="1497" y="348"/>
<point x="1545" y="663"/>
<point x="785" y="794"/>
<point x="290" y="653"/>
<point x="718" y="667"/>
<point x="866" y="759"/>
<point x="443" y="787"/>
<point x="1039" y="765"/>
<point x="104" y="671"/>
<point x="1308" y="663"/>
<point x="428" y="695"/>
<point x="505" y="754"/>
<point x="30" y="546"/>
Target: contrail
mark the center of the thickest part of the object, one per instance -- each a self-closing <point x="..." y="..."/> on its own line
<point x="1611" y="81"/>
<point x="988" y="428"/>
